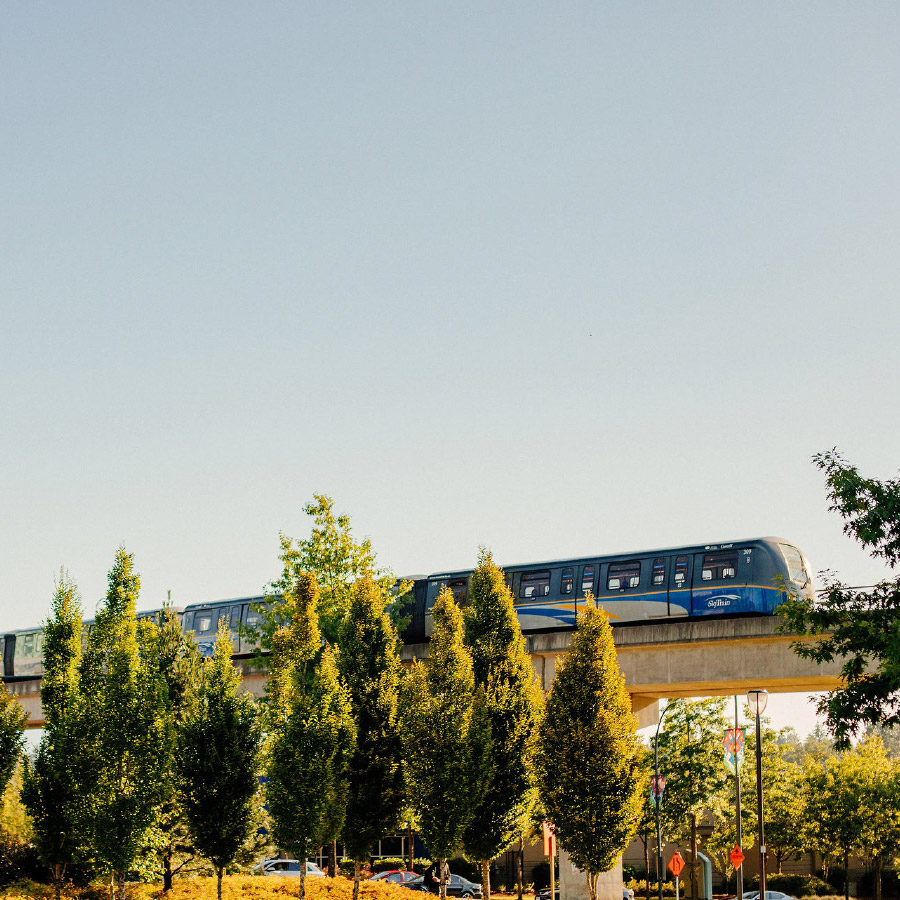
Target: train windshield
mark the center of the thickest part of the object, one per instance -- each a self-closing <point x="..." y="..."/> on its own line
<point x="796" y="567"/>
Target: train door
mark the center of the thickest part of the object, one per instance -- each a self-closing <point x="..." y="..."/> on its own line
<point x="9" y="649"/>
<point x="680" y="586"/>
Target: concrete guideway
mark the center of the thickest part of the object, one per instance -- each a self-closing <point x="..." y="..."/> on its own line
<point x="709" y="657"/>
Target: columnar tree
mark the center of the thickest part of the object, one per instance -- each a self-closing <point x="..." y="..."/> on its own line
<point x="218" y="761"/>
<point x="125" y="727"/>
<point x="312" y="735"/>
<point x="859" y="626"/>
<point x="370" y="667"/>
<point x="503" y="671"/>
<point x="180" y="667"/>
<point x="446" y="737"/>
<point x="51" y="790"/>
<point x="589" y="760"/>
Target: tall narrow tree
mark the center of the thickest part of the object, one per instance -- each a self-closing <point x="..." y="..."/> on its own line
<point x="446" y="737"/>
<point x="589" y="761"/>
<point x="218" y="761"/>
<point x="503" y="670"/>
<point x="125" y="726"/>
<point x="51" y="789"/>
<point x="370" y="667"/>
<point x="180" y="668"/>
<point x="312" y="733"/>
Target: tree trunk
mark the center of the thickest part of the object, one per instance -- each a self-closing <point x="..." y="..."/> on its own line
<point x="219" y="871"/>
<point x="121" y="875"/>
<point x="356" y="871"/>
<point x="877" y="878"/>
<point x="486" y="879"/>
<point x="302" y="894"/>
<point x="332" y="859"/>
<point x="520" y="867"/>
<point x="592" y="880"/>
<point x="167" y="871"/>
<point x="442" y="863"/>
<point x="846" y="875"/>
<point x="647" y="861"/>
<point x="410" y="846"/>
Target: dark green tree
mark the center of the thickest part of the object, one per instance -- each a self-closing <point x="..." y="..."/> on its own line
<point x="446" y="737"/>
<point x="218" y="762"/>
<point x="123" y="721"/>
<point x="589" y="760"/>
<point x="179" y="664"/>
<point x="503" y="671"/>
<point x="861" y="627"/>
<point x="370" y="667"/>
<point x="312" y="734"/>
<point x="51" y="790"/>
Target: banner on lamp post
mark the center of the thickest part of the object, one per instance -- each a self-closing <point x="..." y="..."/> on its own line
<point x="733" y="744"/>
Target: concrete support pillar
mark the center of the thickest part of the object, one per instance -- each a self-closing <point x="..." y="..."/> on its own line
<point x="573" y="883"/>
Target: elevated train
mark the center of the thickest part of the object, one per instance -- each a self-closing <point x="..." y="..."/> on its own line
<point x="735" y="578"/>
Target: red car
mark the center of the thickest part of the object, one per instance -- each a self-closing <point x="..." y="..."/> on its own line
<point x="394" y="876"/>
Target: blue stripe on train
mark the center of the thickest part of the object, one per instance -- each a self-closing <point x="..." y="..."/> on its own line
<point x="735" y="599"/>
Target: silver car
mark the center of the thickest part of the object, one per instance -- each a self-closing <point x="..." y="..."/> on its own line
<point x="287" y="868"/>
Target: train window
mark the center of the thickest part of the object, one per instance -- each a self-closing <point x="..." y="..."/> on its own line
<point x="659" y="571"/>
<point x="624" y="575"/>
<point x="796" y="568"/>
<point x="460" y="589"/>
<point x="206" y="622"/>
<point x="568" y="581"/>
<point x="188" y="621"/>
<point x="235" y="617"/>
<point x="719" y="566"/>
<point x="535" y="584"/>
<point x="681" y="570"/>
<point x="587" y="581"/>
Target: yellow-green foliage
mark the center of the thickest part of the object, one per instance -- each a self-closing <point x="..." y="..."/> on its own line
<point x="235" y="887"/>
<point x="590" y="764"/>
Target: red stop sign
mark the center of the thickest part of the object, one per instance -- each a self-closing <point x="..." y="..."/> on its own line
<point x="736" y="857"/>
<point x="676" y="864"/>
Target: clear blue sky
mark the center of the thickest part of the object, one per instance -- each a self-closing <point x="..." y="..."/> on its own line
<point x="556" y="279"/>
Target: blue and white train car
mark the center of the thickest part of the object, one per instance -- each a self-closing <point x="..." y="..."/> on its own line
<point x="746" y="577"/>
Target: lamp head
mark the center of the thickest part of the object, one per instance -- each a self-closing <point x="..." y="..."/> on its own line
<point x="757" y="700"/>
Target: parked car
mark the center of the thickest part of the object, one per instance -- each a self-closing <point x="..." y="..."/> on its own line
<point x="457" y="886"/>
<point x="770" y="895"/>
<point x="395" y="876"/>
<point x="289" y="868"/>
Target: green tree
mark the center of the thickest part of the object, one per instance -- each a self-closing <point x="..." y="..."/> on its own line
<point x="690" y="757"/>
<point x="337" y="560"/>
<point x="180" y="667"/>
<point x="53" y="787"/>
<point x="589" y="761"/>
<point x="125" y="728"/>
<point x="218" y="761"/>
<point x="833" y="826"/>
<point x="503" y="671"/>
<point x="12" y="726"/>
<point x="861" y="627"/>
<point x="446" y="737"/>
<point x="312" y="734"/>
<point x="877" y="779"/>
<point x="370" y="667"/>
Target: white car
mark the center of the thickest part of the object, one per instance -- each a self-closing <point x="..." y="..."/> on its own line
<point x="770" y="895"/>
<point x="287" y="868"/>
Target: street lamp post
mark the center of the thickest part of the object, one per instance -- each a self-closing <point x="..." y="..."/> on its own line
<point x="757" y="700"/>
<point x="657" y="802"/>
